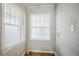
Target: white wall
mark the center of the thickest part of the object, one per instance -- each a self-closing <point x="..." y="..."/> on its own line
<point x="17" y="50"/>
<point x="0" y="29"/>
<point x="37" y="44"/>
<point x="67" y="42"/>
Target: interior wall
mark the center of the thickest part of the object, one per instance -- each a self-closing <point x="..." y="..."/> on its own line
<point x="39" y="44"/>
<point x="67" y="21"/>
<point x="0" y="29"/>
<point x="17" y="50"/>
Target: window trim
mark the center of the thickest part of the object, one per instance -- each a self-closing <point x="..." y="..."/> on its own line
<point x="20" y="26"/>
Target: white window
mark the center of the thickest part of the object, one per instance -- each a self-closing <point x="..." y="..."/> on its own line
<point x="12" y="22"/>
<point x="40" y="26"/>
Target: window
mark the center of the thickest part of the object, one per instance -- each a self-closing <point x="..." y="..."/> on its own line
<point x="40" y="26"/>
<point x="12" y="22"/>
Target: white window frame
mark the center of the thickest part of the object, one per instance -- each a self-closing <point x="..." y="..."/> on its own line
<point x="12" y="25"/>
<point x="40" y="39"/>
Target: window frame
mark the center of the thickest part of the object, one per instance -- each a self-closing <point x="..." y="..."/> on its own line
<point x="18" y="26"/>
<point x="49" y="27"/>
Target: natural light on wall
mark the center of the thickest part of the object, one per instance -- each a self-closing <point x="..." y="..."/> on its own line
<point x="40" y="26"/>
<point x="13" y="16"/>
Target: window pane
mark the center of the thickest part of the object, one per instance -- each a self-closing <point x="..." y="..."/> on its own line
<point x="44" y="33"/>
<point x="12" y="35"/>
<point x="7" y="8"/>
<point x="33" y="18"/>
<point x="33" y="23"/>
<point x="40" y="33"/>
<point x="18" y="21"/>
<point x="13" y="10"/>
<point x="12" y="20"/>
<point x="35" y="32"/>
<point x="37" y="24"/>
<point x="7" y="18"/>
<point x="40" y="26"/>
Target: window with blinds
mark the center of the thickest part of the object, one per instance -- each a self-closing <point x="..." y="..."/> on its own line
<point x="12" y="17"/>
<point x="40" y="26"/>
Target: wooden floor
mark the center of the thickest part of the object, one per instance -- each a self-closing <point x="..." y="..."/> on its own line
<point x="30" y="53"/>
